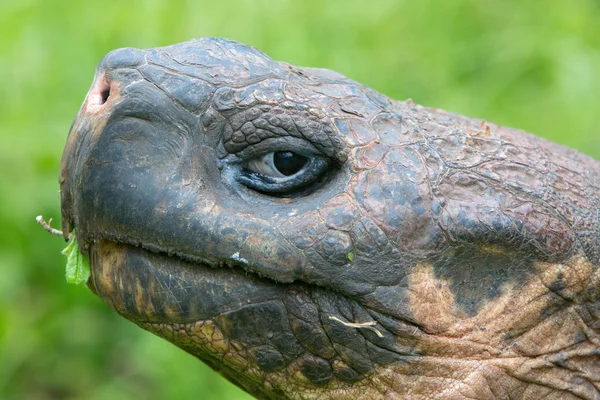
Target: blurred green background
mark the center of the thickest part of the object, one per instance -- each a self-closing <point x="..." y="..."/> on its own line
<point x="528" y="64"/>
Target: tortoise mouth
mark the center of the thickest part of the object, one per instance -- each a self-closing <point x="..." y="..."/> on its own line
<point x="146" y="286"/>
<point x="202" y="309"/>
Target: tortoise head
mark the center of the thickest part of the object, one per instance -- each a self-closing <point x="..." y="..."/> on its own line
<point x="308" y="237"/>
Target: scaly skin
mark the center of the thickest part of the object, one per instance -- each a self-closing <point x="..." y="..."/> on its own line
<point x="424" y="255"/>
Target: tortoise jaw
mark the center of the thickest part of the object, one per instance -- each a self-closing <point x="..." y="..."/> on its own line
<point x="185" y="303"/>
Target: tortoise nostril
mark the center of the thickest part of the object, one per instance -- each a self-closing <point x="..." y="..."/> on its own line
<point x="104" y="95"/>
<point x="102" y="91"/>
<point x="99" y="94"/>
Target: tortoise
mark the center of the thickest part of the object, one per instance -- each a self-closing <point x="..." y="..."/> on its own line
<point x="310" y="238"/>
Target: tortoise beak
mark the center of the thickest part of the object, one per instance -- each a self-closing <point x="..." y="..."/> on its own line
<point x="88" y="124"/>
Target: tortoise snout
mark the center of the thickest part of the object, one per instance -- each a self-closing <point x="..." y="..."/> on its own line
<point x="110" y="75"/>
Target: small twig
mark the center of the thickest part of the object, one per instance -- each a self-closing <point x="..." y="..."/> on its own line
<point x="370" y="325"/>
<point x="47" y="227"/>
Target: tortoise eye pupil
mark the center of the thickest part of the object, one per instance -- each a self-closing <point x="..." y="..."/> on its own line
<point x="288" y="163"/>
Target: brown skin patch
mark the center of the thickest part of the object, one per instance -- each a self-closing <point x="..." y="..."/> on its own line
<point x="531" y="339"/>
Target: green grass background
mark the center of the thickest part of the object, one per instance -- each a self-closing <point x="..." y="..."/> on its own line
<point x="529" y="64"/>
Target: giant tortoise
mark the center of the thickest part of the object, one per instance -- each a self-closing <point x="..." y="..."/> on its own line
<point x="310" y="238"/>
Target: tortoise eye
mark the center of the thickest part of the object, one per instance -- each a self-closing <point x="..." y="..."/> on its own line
<point x="283" y="172"/>
<point x="278" y="164"/>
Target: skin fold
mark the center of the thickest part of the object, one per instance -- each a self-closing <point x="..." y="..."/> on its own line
<point x="417" y="254"/>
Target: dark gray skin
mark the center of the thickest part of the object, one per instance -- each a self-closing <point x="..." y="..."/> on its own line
<point x="414" y="254"/>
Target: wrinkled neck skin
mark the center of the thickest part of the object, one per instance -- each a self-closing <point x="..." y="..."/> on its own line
<point x="419" y="254"/>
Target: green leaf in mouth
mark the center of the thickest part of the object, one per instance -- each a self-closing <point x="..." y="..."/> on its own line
<point x="78" y="267"/>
